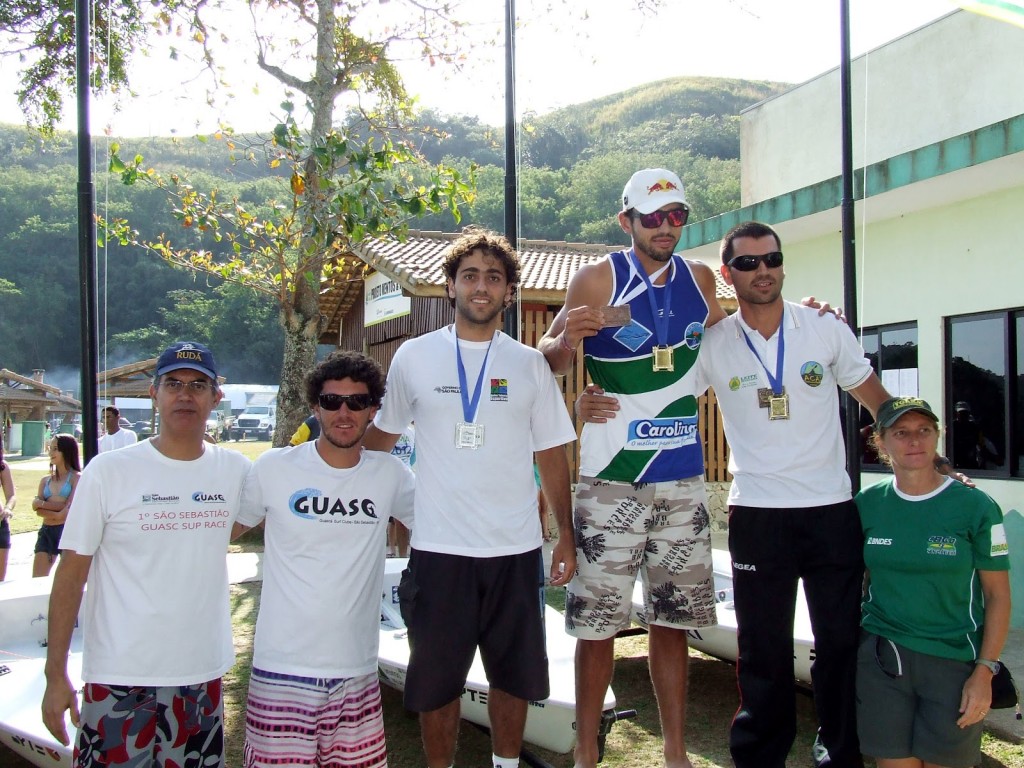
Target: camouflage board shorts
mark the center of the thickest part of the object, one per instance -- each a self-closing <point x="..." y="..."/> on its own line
<point x="661" y="530"/>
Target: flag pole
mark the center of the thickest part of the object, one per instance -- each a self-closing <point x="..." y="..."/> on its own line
<point x="852" y="410"/>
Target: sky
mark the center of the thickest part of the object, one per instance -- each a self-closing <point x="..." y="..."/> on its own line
<point x="562" y="59"/>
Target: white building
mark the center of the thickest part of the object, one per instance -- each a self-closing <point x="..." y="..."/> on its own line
<point x="938" y="135"/>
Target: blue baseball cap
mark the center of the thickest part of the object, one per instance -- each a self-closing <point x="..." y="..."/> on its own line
<point x="187" y="354"/>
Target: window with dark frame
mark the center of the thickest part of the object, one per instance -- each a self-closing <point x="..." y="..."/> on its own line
<point x="985" y="409"/>
<point x="892" y="350"/>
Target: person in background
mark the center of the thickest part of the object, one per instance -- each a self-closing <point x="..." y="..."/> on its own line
<point x="326" y="504"/>
<point x="936" y="607"/>
<point x="308" y="430"/>
<point x="398" y="532"/>
<point x="150" y="534"/>
<point x="53" y="501"/>
<point x="115" y="437"/>
<point x="10" y="500"/>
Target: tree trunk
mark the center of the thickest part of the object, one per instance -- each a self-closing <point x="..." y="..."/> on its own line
<point x="301" y="335"/>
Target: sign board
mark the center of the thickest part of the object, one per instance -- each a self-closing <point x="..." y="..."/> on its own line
<point x="383" y="300"/>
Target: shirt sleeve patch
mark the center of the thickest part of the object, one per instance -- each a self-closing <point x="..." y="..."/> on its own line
<point x="999" y="545"/>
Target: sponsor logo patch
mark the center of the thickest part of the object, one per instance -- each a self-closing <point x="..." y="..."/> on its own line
<point x="942" y="545"/>
<point x="313" y="504"/>
<point x="812" y="373"/>
<point x="661" y="434"/>
<point x="499" y="390"/>
<point x="999" y="546"/>
<point x="156" y="498"/>
<point x="632" y="336"/>
<point x="737" y="383"/>
<point x="879" y="541"/>
<point x="694" y="334"/>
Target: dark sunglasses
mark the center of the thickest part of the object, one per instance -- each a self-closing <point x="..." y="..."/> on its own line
<point x="331" y="402"/>
<point x="652" y="220"/>
<point x="750" y="263"/>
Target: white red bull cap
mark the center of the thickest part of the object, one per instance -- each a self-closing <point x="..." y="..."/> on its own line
<point x="650" y="189"/>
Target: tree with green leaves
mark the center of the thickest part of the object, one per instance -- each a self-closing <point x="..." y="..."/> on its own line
<point x="340" y="189"/>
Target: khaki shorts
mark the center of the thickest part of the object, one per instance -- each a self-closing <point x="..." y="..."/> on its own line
<point x="662" y="531"/>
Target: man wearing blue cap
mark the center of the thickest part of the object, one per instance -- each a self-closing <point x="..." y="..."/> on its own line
<point x="157" y="621"/>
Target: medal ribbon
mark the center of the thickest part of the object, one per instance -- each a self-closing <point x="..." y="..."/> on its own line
<point x="470" y="404"/>
<point x="776" y="380"/>
<point x="660" y="320"/>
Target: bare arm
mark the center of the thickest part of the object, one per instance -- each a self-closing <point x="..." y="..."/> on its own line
<point x="47" y="508"/>
<point x="554" y="482"/>
<point x="379" y="440"/>
<point x="589" y="290"/>
<point x="10" y="496"/>
<point x="871" y="394"/>
<point x="65" y="600"/>
<point x="977" y="694"/>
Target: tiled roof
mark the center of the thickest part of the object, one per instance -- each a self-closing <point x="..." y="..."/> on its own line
<point x="547" y="266"/>
<point x="416" y="265"/>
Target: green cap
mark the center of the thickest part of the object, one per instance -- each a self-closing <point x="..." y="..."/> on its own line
<point x="894" y="407"/>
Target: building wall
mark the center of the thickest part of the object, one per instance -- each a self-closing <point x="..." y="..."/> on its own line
<point x="923" y="267"/>
<point x="956" y="74"/>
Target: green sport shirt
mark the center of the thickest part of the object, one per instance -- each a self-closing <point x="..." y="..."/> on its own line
<point x="923" y="555"/>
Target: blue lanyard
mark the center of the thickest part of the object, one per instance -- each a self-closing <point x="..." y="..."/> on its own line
<point x="469" y="405"/>
<point x="661" y="315"/>
<point x="776" y="380"/>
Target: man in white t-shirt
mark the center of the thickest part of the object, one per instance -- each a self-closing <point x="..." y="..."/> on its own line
<point x="484" y="406"/>
<point x="115" y="437"/>
<point x="326" y="504"/>
<point x="156" y="616"/>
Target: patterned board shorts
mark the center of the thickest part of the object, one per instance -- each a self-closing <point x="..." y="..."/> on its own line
<point x="151" y="725"/>
<point x="326" y="722"/>
<point x="661" y="530"/>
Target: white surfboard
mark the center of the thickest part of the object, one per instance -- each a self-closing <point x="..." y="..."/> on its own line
<point x="550" y="724"/>
<point x="720" y="641"/>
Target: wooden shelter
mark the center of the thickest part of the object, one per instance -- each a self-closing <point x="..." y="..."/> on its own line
<point x="415" y="264"/>
<point x="29" y="398"/>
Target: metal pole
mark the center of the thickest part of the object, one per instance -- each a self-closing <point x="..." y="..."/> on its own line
<point x="511" y="324"/>
<point x="86" y="236"/>
<point x="848" y="234"/>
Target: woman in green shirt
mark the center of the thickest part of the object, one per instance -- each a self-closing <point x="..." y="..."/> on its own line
<point x="936" y="607"/>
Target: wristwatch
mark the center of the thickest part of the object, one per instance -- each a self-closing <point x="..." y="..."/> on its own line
<point x="993" y="666"/>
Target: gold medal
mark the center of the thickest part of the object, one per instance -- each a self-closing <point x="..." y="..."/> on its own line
<point x="778" y="407"/>
<point x="765" y="395"/>
<point x="662" y="359"/>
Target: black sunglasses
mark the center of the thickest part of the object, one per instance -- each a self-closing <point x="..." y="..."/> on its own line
<point x="331" y="402"/>
<point x="750" y="263"/>
<point x="676" y="218"/>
